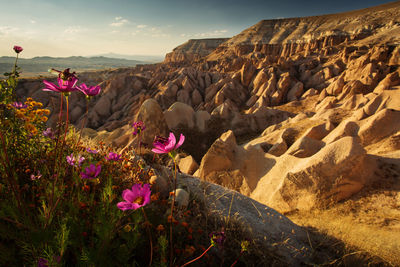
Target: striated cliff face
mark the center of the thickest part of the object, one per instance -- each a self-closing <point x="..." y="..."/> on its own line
<point x="375" y="25"/>
<point x="193" y="50"/>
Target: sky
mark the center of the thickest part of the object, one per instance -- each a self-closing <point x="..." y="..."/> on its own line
<point x="140" y="27"/>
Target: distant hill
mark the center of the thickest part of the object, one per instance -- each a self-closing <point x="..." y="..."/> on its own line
<point x="40" y="65"/>
<point x="147" y="58"/>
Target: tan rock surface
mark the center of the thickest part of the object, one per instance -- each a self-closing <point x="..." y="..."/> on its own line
<point x="336" y="172"/>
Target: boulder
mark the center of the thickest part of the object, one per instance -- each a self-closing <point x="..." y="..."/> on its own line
<point x="295" y="92"/>
<point x="247" y="73"/>
<point x="336" y="87"/>
<point x="318" y="132"/>
<point x="181" y="198"/>
<point x="202" y="117"/>
<point x="345" y="128"/>
<point x="196" y="97"/>
<point x="278" y="148"/>
<point x="264" y="226"/>
<point x="390" y="80"/>
<point x="336" y="172"/>
<point x="220" y="155"/>
<point x="151" y="114"/>
<point x="260" y="79"/>
<point x="188" y="165"/>
<point x="305" y="147"/>
<point x="383" y="124"/>
<point x="180" y="114"/>
<point x="183" y="96"/>
<point x="309" y="92"/>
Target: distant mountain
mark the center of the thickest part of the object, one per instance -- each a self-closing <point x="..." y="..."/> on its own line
<point x="40" y="65"/>
<point x="147" y="58"/>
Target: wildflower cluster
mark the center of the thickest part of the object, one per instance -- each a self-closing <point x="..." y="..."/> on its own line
<point x="31" y="113"/>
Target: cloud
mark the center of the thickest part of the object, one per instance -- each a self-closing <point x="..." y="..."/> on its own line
<point x="73" y="29"/>
<point x="7" y="30"/>
<point x="32" y="21"/>
<point x="210" y="34"/>
<point x="141" y="26"/>
<point x="119" y="21"/>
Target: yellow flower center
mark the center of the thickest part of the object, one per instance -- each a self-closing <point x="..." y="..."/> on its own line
<point x="139" y="200"/>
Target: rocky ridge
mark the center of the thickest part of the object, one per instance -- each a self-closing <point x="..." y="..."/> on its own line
<point x="193" y="50"/>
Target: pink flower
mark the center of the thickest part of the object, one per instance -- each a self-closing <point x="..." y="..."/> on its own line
<point x="80" y="160"/>
<point x="166" y="146"/>
<point x="71" y="160"/>
<point x="89" y="91"/>
<point x="92" y="151"/>
<point x="113" y="156"/>
<point x="137" y="197"/>
<point x="17" y="49"/>
<point x="19" y="105"/>
<point x="64" y="86"/>
<point x="91" y="172"/>
<point x="49" y="133"/>
<point x="36" y="177"/>
<point x="139" y="127"/>
<point x="42" y="263"/>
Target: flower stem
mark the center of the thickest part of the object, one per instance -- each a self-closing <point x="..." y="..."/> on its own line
<point x="149" y="233"/>
<point x="15" y="66"/>
<point x="204" y="253"/>
<point x="172" y="216"/>
<point x="234" y="263"/>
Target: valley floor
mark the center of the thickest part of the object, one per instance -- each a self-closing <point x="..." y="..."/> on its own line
<point x="368" y="222"/>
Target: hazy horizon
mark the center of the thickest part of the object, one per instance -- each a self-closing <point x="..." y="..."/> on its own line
<point x="131" y="27"/>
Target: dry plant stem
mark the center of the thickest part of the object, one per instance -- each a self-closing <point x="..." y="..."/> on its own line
<point x="53" y="206"/>
<point x="234" y="263"/>
<point x="171" y="252"/>
<point x="149" y="233"/>
<point x="204" y="253"/>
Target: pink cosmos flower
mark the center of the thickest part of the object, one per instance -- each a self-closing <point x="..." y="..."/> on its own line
<point x="139" y="127"/>
<point x="91" y="172"/>
<point x="137" y="197"/>
<point x="49" y="133"/>
<point x="89" y="91"/>
<point x="17" y="49"/>
<point x="19" y="105"/>
<point x="167" y="145"/>
<point x="80" y="160"/>
<point x="218" y="238"/>
<point x="43" y="263"/>
<point x="113" y="157"/>
<point x="36" y="177"/>
<point x="71" y="160"/>
<point x="64" y="86"/>
<point x="92" y="151"/>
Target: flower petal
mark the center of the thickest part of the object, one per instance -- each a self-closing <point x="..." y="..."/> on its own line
<point x="50" y="86"/>
<point x="124" y="206"/>
<point x="181" y="140"/>
<point x="129" y="195"/>
<point x="159" y="151"/>
<point x="171" y="142"/>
